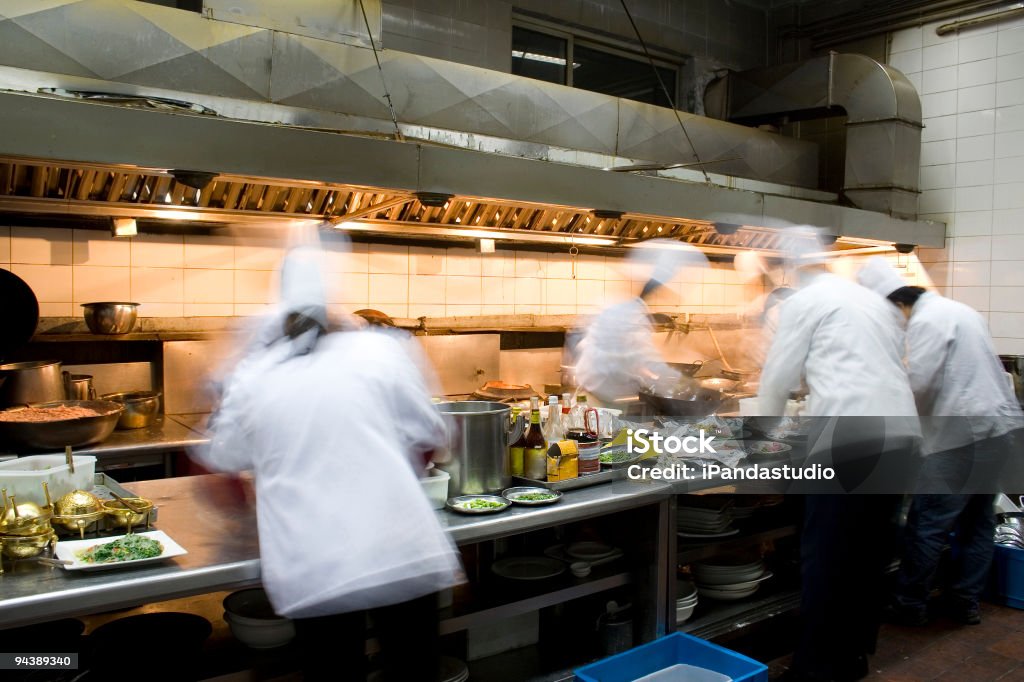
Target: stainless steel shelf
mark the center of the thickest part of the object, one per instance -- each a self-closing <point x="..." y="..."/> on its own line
<point x="732" y="616"/>
<point x="487" y="615"/>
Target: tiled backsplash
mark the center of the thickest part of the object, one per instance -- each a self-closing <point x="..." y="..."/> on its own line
<point x="972" y="164"/>
<point x="175" y="276"/>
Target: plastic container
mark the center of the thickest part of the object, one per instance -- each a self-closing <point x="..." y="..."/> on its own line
<point x="1008" y="571"/>
<point x="669" y="651"/>
<point x="24" y="477"/>
<point x="435" y="485"/>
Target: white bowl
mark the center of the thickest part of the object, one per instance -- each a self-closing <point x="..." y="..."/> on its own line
<point x="683" y="613"/>
<point x="253" y="621"/>
<point x="260" y="634"/>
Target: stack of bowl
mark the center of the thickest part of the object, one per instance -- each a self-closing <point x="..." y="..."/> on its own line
<point x="25" y="530"/>
<point x="686" y="600"/>
<point x="729" y="579"/>
<point x="253" y="621"/>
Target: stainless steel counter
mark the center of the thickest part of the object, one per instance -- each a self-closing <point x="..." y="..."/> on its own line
<point x="224" y="554"/>
<point x="163" y="435"/>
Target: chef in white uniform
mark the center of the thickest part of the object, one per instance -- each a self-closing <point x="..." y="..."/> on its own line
<point x="841" y="340"/>
<point x="616" y="358"/>
<point x="336" y="428"/>
<point x="968" y="413"/>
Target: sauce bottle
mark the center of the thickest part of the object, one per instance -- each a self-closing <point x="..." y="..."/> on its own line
<point x="535" y="452"/>
<point x="517" y="451"/>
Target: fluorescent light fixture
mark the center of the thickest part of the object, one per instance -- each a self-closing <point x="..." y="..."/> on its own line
<point x="172" y="214"/>
<point x="124" y="227"/>
<point x="414" y="230"/>
<point x="545" y="58"/>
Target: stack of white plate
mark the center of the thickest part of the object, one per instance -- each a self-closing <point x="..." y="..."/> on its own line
<point x="743" y="509"/>
<point x="704" y="522"/>
<point x="686" y="601"/>
<point x="729" y="580"/>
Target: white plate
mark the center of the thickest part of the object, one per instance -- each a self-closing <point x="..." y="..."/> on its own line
<point x="528" y="568"/>
<point x="726" y="595"/>
<point x="741" y="586"/>
<point x="708" y="536"/>
<point x="67" y="550"/>
<point x="589" y="551"/>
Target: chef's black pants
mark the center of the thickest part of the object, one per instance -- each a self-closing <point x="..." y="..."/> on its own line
<point x="846" y="544"/>
<point x="333" y="647"/>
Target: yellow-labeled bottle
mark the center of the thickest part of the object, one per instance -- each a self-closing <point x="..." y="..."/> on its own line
<point x="535" y="453"/>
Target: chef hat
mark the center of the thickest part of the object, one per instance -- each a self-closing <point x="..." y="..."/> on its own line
<point x="302" y="283"/>
<point x="661" y="259"/>
<point x="879" y="276"/>
<point x="802" y="247"/>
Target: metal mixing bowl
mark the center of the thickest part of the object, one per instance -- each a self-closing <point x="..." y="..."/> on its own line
<point x="140" y="408"/>
<point x="110" y="317"/>
<point x="55" y="435"/>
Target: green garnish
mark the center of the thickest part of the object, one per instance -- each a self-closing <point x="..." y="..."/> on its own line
<point x="615" y="457"/>
<point x="128" y="548"/>
<point x="535" y="497"/>
<point x="481" y="504"/>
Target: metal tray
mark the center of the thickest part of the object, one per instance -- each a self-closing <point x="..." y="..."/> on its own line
<point x="584" y="481"/>
<point x="507" y="493"/>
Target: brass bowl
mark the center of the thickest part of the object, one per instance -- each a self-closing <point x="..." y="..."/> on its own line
<point x="124" y="517"/>
<point x="29" y="519"/>
<point x="78" y="522"/>
<point x="26" y="546"/>
<point x="78" y="503"/>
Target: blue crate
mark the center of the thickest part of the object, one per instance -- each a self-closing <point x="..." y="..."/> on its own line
<point x="1008" y="574"/>
<point x="668" y="651"/>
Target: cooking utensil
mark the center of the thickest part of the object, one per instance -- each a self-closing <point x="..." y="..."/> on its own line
<point x="37" y="381"/>
<point x="140" y="408"/>
<point x="69" y="458"/>
<point x="685" y="399"/>
<point x="19" y="311"/>
<point x="687" y="368"/>
<point x="718" y="348"/>
<point x="78" y="386"/>
<point x="110" y="317"/>
<point x="719" y="384"/>
<point x="54" y="435"/>
<point x="477" y="454"/>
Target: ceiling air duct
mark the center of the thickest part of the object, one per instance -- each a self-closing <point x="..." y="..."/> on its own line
<point x="883" y="124"/>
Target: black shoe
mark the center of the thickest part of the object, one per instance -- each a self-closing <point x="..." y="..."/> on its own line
<point x="905" y="615"/>
<point x="966" y="614"/>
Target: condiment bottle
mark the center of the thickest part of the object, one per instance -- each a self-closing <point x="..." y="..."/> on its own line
<point x="516" y="451"/>
<point x="553" y="427"/>
<point x="535" y="452"/>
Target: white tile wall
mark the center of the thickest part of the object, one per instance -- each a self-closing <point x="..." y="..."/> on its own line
<point x="206" y="276"/>
<point x="983" y="264"/>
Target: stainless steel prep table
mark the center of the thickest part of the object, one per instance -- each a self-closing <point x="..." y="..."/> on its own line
<point x="224" y="554"/>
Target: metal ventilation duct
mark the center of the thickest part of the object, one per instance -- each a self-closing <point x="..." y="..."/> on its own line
<point x="883" y="125"/>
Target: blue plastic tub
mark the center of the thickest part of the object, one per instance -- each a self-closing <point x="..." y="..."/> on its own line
<point x="1008" y="572"/>
<point x="668" y="651"/>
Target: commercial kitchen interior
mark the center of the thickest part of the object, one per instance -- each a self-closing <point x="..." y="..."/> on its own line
<point x="481" y="171"/>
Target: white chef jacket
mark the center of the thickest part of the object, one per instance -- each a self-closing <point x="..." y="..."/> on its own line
<point x="616" y="347"/>
<point x="343" y="522"/>
<point x="955" y="372"/>
<point x="841" y="338"/>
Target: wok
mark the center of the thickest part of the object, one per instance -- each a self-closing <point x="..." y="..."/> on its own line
<point x="684" y="399"/>
<point x="55" y="435"/>
<point x="687" y="368"/>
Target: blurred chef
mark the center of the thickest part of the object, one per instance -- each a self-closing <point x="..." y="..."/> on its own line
<point x="839" y="338"/>
<point x="616" y="356"/>
<point x="336" y="427"/>
<point x="968" y="413"/>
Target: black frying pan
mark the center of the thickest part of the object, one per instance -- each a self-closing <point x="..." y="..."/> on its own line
<point x="19" y="313"/>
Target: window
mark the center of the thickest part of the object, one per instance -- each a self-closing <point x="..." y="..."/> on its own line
<point x="546" y="54"/>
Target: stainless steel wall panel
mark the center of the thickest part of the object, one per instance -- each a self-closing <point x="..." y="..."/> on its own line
<point x="464" y="362"/>
<point x="339" y="21"/>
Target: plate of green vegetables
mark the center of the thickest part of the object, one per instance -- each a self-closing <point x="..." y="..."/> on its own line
<point x="530" y="496"/>
<point x="117" y="551"/>
<point x="478" y="504"/>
